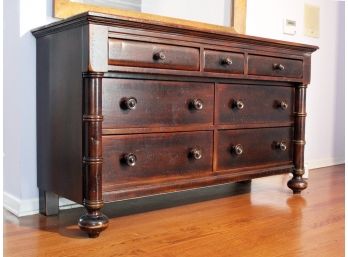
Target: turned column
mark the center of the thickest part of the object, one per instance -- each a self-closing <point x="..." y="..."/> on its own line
<point x="93" y="221"/>
<point x="297" y="183"/>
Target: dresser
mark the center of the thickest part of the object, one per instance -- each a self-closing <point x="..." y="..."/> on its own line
<point x="129" y="108"/>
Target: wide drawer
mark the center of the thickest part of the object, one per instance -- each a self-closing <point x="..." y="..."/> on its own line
<point x="152" y="55"/>
<point x="273" y="66"/>
<point x="253" y="147"/>
<point x="236" y="104"/>
<point x="227" y="62"/>
<point x="145" y="157"/>
<point x="138" y="103"/>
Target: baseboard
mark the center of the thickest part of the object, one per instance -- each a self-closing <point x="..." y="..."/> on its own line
<point x="31" y="206"/>
<point x="67" y="204"/>
<point x="20" y="207"/>
<point x="26" y="207"/>
<point x="321" y="163"/>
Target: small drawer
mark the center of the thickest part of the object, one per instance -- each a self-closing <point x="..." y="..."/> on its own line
<point x="227" y="62"/>
<point x="152" y="55"/>
<point x="272" y="66"/>
<point x="142" y="157"/>
<point x="241" y="104"/>
<point x="252" y="147"/>
<point x="137" y="103"/>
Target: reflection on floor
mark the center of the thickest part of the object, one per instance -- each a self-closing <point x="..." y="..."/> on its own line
<point x="258" y="219"/>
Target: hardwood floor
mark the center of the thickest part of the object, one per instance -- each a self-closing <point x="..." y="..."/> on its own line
<point x="263" y="219"/>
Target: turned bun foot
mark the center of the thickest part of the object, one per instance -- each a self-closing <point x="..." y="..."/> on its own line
<point x="297" y="184"/>
<point x="93" y="223"/>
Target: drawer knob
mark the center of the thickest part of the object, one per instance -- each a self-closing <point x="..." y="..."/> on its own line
<point x="282" y="146"/>
<point x="130" y="159"/>
<point x="278" y="66"/>
<point x="238" y="104"/>
<point x="159" y="56"/>
<point x="196" y="153"/>
<point x="238" y="149"/>
<point x="129" y="103"/>
<point x="196" y="104"/>
<point x="226" y="61"/>
<point x="283" y="105"/>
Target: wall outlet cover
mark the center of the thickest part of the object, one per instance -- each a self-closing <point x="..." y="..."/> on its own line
<point x="311" y="20"/>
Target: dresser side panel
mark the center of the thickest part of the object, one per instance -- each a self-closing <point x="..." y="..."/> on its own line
<point x="60" y="61"/>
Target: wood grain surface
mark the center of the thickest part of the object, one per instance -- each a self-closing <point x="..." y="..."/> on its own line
<point x="159" y="103"/>
<point x="162" y="155"/>
<point x="216" y="61"/>
<point x="261" y="104"/>
<point x="264" y="66"/>
<point x="264" y="219"/>
<point x="143" y="54"/>
<point x="259" y="146"/>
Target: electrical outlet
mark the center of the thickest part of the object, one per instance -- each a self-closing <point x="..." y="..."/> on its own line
<point x="289" y="27"/>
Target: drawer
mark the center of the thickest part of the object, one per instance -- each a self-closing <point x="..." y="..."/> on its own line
<point x="228" y="62"/>
<point x="240" y="104"/>
<point x="252" y="147"/>
<point x="142" y="157"/>
<point x="152" y="55"/>
<point x="272" y="66"/>
<point x="156" y="103"/>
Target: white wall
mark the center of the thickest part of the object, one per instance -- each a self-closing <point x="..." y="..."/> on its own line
<point x="20" y="16"/>
<point x="325" y="126"/>
<point x="325" y="98"/>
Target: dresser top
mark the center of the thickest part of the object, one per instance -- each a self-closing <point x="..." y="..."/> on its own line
<point x="164" y="27"/>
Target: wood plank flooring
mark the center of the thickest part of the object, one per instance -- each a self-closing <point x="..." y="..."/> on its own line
<point x="258" y="219"/>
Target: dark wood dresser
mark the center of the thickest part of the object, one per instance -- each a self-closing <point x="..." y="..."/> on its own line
<point x="128" y="108"/>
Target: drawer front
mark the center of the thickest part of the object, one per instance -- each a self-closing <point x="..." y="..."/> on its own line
<point x="157" y="103"/>
<point x="157" y="155"/>
<point x="252" y="147"/>
<point x="237" y="104"/>
<point x="271" y="66"/>
<point x="227" y="62"/>
<point x="152" y="55"/>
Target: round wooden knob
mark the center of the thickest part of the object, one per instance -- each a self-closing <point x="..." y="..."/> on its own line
<point x="282" y="146"/>
<point x="197" y="104"/>
<point x="238" y="149"/>
<point x="130" y="159"/>
<point x="226" y="61"/>
<point x="196" y="153"/>
<point x="278" y="66"/>
<point x="159" y="56"/>
<point x="238" y="104"/>
<point x="129" y="103"/>
<point x="283" y="105"/>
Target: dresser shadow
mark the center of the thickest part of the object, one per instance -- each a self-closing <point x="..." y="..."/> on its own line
<point x="65" y="223"/>
<point x="170" y="200"/>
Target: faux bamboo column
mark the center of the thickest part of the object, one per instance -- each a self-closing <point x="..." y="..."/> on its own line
<point x="93" y="222"/>
<point x="297" y="183"/>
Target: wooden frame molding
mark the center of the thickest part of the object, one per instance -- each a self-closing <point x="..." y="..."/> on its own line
<point x="239" y="16"/>
<point x="66" y="8"/>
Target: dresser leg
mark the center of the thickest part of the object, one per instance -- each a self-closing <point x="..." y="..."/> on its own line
<point x="297" y="183"/>
<point x="48" y="203"/>
<point x="93" y="222"/>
